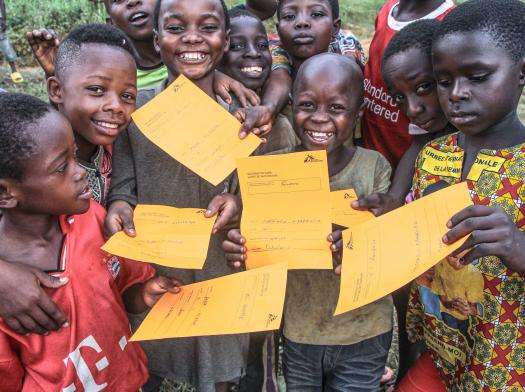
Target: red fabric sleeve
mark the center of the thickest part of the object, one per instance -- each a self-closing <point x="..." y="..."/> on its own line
<point x="133" y="272"/>
<point x="11" y="371"/>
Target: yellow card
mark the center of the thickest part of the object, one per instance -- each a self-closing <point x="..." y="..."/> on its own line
<point x="286" y="210"/>
<point x="385" y="253"/>
<point x="195" y="130"/>
<point x="169" y="236"/>
<point x="342" y="213"/>
<point x="249" y="301"/>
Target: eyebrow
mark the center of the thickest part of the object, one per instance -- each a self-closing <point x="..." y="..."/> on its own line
<point x="60" y="156"/>
<point x="99" y="77"/>
<point x="178" y="15"/>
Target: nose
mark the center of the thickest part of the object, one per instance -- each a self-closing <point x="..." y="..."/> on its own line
<point x="302" y="22"/>
<point x="113" y="104"/>
<point x="252" y="52"/>
<point x="459" y="92"/>
<point x="319" y="116"/>
<point x="192" y="37"/>
<point x="132" y="3"/>
<point x="414" y="108"/>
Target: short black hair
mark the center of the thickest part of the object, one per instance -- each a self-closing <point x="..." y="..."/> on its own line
<point x="334" y="6"/>
<point x="70" y="48"/>
<point x="240" y="11"/>
<point x="156" y="15"/>
<point x="503" y="20"/>
<point x="418" y="35"/>
<point x="19" y="113"/>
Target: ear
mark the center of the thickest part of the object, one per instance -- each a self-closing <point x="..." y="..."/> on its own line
<point x="522" y="72"/>
<point x="156" y="41"/>
<point x="227" y="42"/>
<point x="336" y="26"/>
<point x="7" y="197"/>
<point x="54" y="90"/>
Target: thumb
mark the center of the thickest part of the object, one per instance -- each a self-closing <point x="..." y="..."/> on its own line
<point x="128" y="225"/>
<point x="50" y="281"/>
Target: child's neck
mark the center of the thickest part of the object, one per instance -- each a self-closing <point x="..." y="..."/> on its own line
<point x="409" y="10"/>
<point x="31" y="239"/>
<point x="339" y="158"/>
<point x="205" y="83"/>
<point x="146" y="56"/>
<point x="506" y="133"/>
<point x="86" y="150"/>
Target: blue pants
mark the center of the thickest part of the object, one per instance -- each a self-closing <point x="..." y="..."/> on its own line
<point x="355" y="368"/>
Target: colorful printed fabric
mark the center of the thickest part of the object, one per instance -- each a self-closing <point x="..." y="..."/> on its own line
<point x="345" y="43"/>
<point x="472" y="318"/>
<point x="99" y="174"/>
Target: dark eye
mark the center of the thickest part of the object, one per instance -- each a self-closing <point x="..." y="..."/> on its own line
<point x="306" y="105"/>
<point x="337" y="107"/>
<point x="96" y="90"/>
<point x="288" y="17"/>
<point x="443" y="82"/>
<point x="317" y="14"/>
<point x="479" y="78"/>
<point x="263" y="45"/>
<point x="399" y="98"/>
<point x="210" y="28"/>
<point x="236" y="46"/>
<point x="128" y="97"/>
<point x="174" y="28"/>
<point x="62" y="168"/>
<point x="424" y="88"/>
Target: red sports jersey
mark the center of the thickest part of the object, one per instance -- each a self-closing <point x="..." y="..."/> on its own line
<point x="384" y="127"/>
<point x="93" y="353"/>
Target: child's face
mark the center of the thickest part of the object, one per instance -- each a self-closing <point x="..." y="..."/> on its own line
<point x="325" y="110"/>
<point x="249" y="60"/>
<point x="97" y="94"/>
<point x="133" y="17"/>
<point x="192" y="36"/>
<point x="410" y="80"/>
<point x="479" y="84"/>
<point x="53" y="183"/>
<point x="306" y="27"/>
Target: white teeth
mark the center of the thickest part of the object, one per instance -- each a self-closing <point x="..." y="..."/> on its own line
<point x="138" y="16"/>
<point x="252" y="70"/>
<point x="106" y="124"/>
<point x="320" y="136"/>
<point x="192" y="56"/>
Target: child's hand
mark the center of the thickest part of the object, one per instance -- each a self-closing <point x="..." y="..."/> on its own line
<point x="256" y="119"/>
<point x="491" y="233"/>
<point x="235" y="249"/>
<point x="44" y="43"/>
<point x="119" y="218"/>
<point x="336" y="246"/>
<point x="223" y="85"/>
<point x="156" y="287"/>
<point x="377" y="203"/>
<point x="228" y="208"/>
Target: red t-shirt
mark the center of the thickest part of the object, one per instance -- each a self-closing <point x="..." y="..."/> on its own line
<point x="93" y="353"/>
<point x="384" y="127"/>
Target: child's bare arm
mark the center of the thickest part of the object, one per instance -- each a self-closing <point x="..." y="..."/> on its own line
<point x="224" y="86"/>
<point x="264" y="9"/>
<point x="138" y="298"/>
<point x="24" y="306"/>
<point x="44" y="44"/>
<point x="381" y="203"/>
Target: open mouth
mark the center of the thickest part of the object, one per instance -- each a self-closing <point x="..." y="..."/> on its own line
<point x="460" y="118"/>
<point x="192" y="57"/>
<point x="254" y="71"/>
<point x="138" y="18"/>
<point x="319" y="137"/>
<point x="107" y="128"/>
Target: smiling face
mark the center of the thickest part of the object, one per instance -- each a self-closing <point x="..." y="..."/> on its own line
<point x="53" y="182"/>
<point x="133" y="17"/>
<point x="192" y="36"/>
<point x="249" y="60"/>
<point x="479" y="84"/>
<point x="326" y="102"/>
<point x="410" y="80"/>
<point x="306" y="27"/>
<point x="97" y="93"/>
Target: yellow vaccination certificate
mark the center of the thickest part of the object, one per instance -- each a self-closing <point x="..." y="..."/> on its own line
<point x="342" y="212"/>
<point x="169" y="236"/>
<point x="249" y="301"/>
<point x="385" y="253"/>
<point x="286" y="210"/>
<point x="195" y="130"/>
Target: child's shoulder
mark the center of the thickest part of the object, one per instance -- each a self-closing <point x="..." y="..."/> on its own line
<point x="91" y="222"/>
<point x="371" y="157"/>
<point x="443" y="142"/>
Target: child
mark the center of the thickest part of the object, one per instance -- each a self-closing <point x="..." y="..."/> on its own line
<point x="6" y="48"/>
<point x="477" y="344"/>
<point x="94" y="87"/>
<point x="192" y="37"/>
<point x="305" y="28"/>
<point x="384" y="127"/>
<point x="262" y="9"/>
<point x="323" y="352"/>
<point x="249" y="61"/>
<point x="49" y="223"/>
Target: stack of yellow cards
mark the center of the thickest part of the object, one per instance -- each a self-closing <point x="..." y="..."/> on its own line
<point x="169" y="236"/>
<point x="195" y="130"/>
<point x="385" y="253"/>
<point x="249" y="301"/>
<point x="286" y="210"/>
